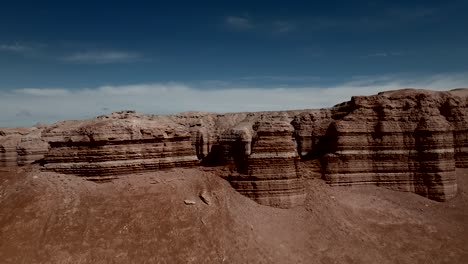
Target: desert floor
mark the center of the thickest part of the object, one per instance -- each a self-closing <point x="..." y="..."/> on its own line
<point x="143" y="218"/>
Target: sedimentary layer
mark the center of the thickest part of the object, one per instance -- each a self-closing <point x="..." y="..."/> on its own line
<point x="409" y="140"/>
<point x="21" y="146"/>
<point x="270" y="157"/>
<point x="398" y="140"/>
<point x="122" y="143"/>
<point x="8" y="154"/>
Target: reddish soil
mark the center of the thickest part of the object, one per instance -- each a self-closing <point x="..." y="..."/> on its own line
<point x="142" y="218"/>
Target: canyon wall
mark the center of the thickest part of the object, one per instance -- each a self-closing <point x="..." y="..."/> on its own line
<point x="398" y="140"/>
<point x="118" y="144"/>
<point x="268" y="165"/>
<point x="409" y="140"/>
<point x="21" y="146"/>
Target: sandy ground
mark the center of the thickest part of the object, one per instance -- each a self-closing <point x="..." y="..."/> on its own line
<point x="144" y="218"/>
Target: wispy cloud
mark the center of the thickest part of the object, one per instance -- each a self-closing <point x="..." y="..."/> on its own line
<point x="283" y="26"/>
<point x="42" y="92"/>
<point x="408" y="14"/>
<point x="282" y="78"/>
<point x="383" y="54"/>
<point x="245" y="23"/>
<point x="237" y="22"/>
<point x="24" y="113"/>
<point x="101" y="57"/>
<point x="392" y="18"/>
<point x="47" y="105"/>
<point x="14" y="48"/>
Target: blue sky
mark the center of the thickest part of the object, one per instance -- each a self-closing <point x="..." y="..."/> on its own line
<point x="61" y="60"/>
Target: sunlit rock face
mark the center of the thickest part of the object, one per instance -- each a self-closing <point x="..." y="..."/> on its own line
<point x="398" y="140"/>
<point x="118" y="145"/>
<point x="408" y="140"/>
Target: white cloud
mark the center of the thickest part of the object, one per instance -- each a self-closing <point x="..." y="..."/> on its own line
<point x="245" y="23"/>
<point x="282" y="78"/>
<point x="101" y="57"/>
<point x="283" y="26"/>
<point x="238" y="22"/>
<point x="48" y="105"/>
<point x="384" y="54"/>
<point x="14" y="48"/>
<point x="42" y="92"/>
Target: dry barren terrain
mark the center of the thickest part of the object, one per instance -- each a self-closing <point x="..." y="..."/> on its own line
<point x="149" y="218"/>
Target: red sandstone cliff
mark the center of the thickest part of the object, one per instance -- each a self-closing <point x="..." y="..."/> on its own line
<point x="409" y="140"/>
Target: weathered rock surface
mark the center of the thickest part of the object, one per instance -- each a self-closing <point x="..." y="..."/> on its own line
<point x="31" y="148"/>
<point x="401" y="140"/>
<point x="123" y="143"/>
<point x="409" y="140"/>
<point x="8" y="154"/>
<point x="21" y="146"/>
<point x="271" y="166"/>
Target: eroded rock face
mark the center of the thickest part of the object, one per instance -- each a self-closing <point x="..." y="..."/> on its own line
<point x="397" y="140"/>
<point x="31" y="148"/>
<point x="454" y="109"/>
<point x="408" y="140"/>
<point x="272" y="175"/>
<point x="21" y="146"/>
<point x="8" y="154"/>
<point x="117" y="145"/>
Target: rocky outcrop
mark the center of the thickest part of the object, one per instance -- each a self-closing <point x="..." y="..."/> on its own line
<point x="21" y="146"/>
<point x="409" y="140"/>
<point x="398" y="140"/>
<point x="118" y="144"/>
<point x="454" y="109"/>
<point x="31" y="148"/>
<point x="271" y="166"/>
<point x="8" y="154"/>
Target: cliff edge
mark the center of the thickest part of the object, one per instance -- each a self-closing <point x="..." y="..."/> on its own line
<point x="409" y="140"/>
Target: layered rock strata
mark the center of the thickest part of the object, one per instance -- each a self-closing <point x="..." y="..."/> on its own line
<point x="31" y="148"/>
<point x="8" y="154"/>
<point x="401" y="141"/>
<point x="21" y="146"/>
<point x="454" y="109"/>
<point x="409" y="140"/>
<point x="111" y="146"/>
<point x="272" y="177"/>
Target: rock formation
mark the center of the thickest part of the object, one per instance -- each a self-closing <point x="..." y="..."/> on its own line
<point x="8" y="154"/>
<point x="400" y="140"/>
<point x="21" y="146"/>
<point x="31" y="148"/>
<point x="123" y="143"/>
<point x="409" y="140"/>
<point x="271" y="161"/>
